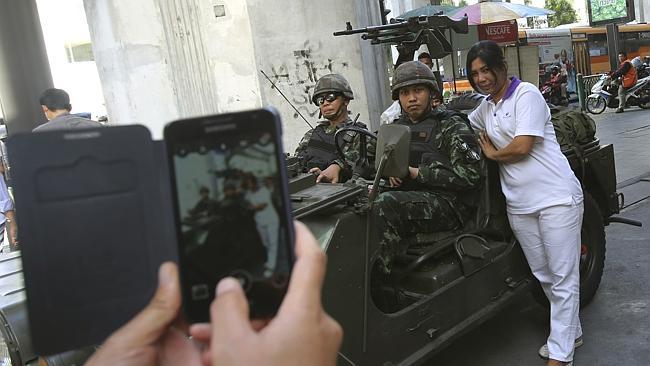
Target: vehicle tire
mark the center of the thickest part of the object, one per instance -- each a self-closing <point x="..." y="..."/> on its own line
<point x="466" y="102"/>
<point x="596" y="105"/>
<point x="592" y="255"/>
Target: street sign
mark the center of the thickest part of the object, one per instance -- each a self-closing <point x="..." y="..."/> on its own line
<point x="500" y="32"/>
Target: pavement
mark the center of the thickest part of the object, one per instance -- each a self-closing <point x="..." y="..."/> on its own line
<point x="617" y="323"/>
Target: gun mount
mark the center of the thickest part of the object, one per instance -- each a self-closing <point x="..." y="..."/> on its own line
<point x="409" y="34"/>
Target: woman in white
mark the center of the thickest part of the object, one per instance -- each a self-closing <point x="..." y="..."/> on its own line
<point x="544" y="198"/>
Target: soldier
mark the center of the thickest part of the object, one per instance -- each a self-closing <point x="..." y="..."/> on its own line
<point x="445" y="163"/>
<point x="317" y="149"/>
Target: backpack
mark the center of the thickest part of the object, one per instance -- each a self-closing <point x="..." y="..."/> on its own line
<point x="573" y="127"/>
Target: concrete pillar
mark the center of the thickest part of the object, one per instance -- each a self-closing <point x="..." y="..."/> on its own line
<point x="24" y="69"/>
<point x="153" y="58"/>
<point x="375" y="61"/>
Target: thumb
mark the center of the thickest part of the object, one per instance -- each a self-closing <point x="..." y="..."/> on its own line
<point x="152" y="322"/>
<point x="229" y="313"/>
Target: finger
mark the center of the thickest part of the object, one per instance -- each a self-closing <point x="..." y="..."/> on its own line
<point x="314" y="171"/>
<point x="319" y="178"/>
<point x="176" y="349"/>
<point x="229" y="312"/>
<point x="259" y="324"/>
<point x="206" y="357"/>
<point x="335" y="179"/>
<point x="202" y="332"/>
<point x="308" y="272"/>
<point x="153" y="321"/>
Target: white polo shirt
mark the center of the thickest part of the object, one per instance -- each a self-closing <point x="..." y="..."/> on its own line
<point x="543" y="178"/>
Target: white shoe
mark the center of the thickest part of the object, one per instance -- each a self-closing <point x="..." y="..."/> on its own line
<point x="543" y="350"/>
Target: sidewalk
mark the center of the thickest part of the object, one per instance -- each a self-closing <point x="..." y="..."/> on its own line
<point x="630" y="134"/>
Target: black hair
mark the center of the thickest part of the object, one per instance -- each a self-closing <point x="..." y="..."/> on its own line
<point x="623" y="53"/>
<point x="490" y="53"/>
<point x="424" y="55"/>
<point x="437" y="94"/>
<point x="55" y="99"/>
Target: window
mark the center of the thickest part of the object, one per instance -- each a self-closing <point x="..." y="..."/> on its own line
<point x="79" y="52"/>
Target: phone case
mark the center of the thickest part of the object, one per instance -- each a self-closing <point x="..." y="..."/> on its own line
<point x="86" y="274"/>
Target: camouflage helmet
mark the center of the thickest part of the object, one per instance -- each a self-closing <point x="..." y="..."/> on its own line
<point x="413" y="73"/>
<point x="332" y="83"/>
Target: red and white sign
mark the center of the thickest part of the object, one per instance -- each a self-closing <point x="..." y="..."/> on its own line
<point x="500" y="32"/>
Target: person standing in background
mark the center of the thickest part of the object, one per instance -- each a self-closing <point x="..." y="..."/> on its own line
<point x="56" y="106"/>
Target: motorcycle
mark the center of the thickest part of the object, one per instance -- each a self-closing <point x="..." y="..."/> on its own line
<point x="605" y="94"/>
<point x="552" y="93"/>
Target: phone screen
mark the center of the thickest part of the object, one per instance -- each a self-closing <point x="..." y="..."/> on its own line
<point x="232" y="209"/>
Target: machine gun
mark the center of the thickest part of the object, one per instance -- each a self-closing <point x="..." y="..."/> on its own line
<point x="409" y="34"/>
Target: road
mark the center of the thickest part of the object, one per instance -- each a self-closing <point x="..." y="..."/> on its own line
<point x="617" y="323"/>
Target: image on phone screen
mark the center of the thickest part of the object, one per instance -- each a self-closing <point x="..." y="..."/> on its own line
<point x="232" y="221"/>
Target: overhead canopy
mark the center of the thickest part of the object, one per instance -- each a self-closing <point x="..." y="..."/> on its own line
<point x="429" y="10"/>
<point x="490" y="12"/>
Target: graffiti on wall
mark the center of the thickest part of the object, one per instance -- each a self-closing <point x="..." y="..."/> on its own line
<point x="297" y="76"/>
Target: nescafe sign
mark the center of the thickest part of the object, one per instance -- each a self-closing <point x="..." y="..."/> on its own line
<point x="500" y="32"/>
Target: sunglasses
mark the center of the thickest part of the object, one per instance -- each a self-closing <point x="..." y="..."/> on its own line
<point x="326" y="97"/>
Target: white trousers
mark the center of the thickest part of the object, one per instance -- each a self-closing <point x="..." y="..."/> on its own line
<point x="550" y="239"/>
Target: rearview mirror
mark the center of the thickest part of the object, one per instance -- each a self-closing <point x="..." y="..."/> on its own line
<point x="394" y="140"/>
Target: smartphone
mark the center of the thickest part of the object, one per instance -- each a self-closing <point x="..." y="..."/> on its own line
<point x="231" y="208"/>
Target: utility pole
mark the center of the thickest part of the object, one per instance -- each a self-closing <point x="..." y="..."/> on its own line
<point x="24" y="67"/>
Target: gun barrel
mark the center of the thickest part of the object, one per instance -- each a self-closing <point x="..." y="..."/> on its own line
<point x="372" y="29"/>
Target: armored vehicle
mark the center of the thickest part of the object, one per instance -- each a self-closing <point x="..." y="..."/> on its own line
<point x="448" y="282"/>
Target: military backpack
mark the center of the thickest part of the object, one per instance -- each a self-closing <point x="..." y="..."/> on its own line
<point x="573" y="128"/>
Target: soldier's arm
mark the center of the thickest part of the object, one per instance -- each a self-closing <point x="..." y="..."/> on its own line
<point x="460" y="144"/>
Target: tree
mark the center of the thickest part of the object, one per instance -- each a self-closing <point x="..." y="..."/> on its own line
<point x="462" y="3"/>
<point x="564" y="12"/>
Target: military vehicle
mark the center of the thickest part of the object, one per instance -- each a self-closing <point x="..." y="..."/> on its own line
<point x="448" y="282"/>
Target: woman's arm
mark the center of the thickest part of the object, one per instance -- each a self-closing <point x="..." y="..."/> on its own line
<point x="517" y="150"/>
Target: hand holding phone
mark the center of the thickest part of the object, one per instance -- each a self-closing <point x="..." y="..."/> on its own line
<point x="231" y="207"/>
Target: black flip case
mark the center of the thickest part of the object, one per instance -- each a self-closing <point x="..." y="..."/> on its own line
<point x="95" y="222"/>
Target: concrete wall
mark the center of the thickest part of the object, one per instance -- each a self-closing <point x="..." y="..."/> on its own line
<point x="294" y="46"/>
<point x="160" y="60"/>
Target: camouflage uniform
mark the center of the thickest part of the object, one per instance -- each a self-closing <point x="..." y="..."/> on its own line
<point x="445" y="149"/>
<point x="323" y="154"/>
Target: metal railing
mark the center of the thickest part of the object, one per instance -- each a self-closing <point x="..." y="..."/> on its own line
<point x="590" y="81"/>
<point x="584" y="85"/>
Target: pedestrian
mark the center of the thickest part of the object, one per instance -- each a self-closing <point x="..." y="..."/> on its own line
<point x="544" y="198"/>
<point x="627" y="72"/>
<point x="56" y="106"/>
<point x="426" y="59"/>
<point x="7" y="213"/>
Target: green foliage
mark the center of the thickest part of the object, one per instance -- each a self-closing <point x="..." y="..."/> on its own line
<point x="462" y="3"/>
<point x="564" y="12"/>
<point x="608" y="9"/>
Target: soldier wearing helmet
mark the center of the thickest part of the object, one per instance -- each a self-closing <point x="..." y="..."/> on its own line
<point x="317" y="150"/>
<point x="444" y="167"/>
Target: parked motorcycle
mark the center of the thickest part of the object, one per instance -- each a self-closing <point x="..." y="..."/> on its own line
<point x="552" y="89"/>
<point x="605" y="94"/>
<point x="552" y="93"/>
